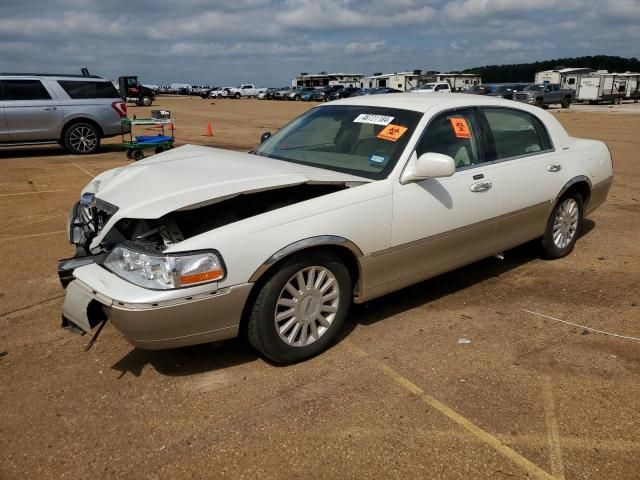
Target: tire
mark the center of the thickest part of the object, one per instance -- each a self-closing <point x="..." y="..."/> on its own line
<point x="146" y="101"/>
<point x="82" y="138"/>
<point x="297" y="98"/>
<point x="564" y="226"/>
<point x="219" y="96"/>
<point x="291" y="339"/>
<point x="129" y="154"/>
<point x="137" y="155"/>
<point x="237" y="95"/>
<point x="566" y="102"/>
<point x="159" y="150"/>
<point x="539" y="103"/>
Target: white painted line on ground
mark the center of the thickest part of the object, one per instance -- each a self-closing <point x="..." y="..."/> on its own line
<point x="85" y="171"/>
<point x="33" y="193"/>
<point x="581" y="326"/>
<point x="22" y="237"/>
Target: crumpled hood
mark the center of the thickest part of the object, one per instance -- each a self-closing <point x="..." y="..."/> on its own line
<point x="192" y="175"/>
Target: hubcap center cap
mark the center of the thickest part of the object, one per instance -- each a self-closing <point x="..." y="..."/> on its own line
<point x="309" y="306"/>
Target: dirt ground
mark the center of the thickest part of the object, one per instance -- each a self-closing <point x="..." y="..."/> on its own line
<point x="397" y="397"/>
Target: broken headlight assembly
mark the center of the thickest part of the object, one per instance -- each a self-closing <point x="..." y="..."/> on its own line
<point x="159" y="271"/>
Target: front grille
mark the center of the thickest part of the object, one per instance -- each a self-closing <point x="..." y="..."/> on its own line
<point x="522" y="96"/>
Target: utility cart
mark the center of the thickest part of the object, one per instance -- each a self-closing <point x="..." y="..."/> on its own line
<point x="136" y="144"/>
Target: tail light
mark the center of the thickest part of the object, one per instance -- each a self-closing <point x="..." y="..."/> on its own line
<point x="120" y="107"/>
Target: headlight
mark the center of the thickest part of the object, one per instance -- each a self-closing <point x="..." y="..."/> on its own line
<point x="163" y="272"/>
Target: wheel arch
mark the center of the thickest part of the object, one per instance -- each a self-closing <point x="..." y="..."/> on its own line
<point x="343" y="248"/>
<point x="76" y="120"/>
<point x="581" y="184"/>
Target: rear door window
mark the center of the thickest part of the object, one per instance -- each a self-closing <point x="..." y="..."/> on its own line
<point x="516" y="133"/>
<point x="23" y="90"/>
<point x="80" y="89"/>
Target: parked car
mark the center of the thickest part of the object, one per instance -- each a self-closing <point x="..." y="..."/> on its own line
<point x="267" y="94"/>
<point x="543" y="95"/>
<point x="437" y="87"/>
<point x="345" y="92"/>
<point x="282" y="93"/>
<point x="381" y="90"/>
<point x="313" y="95"/>
<point x="219" y="92"/>
<point x="352" y="200"/>
<point x="503" y="90"/>
<point x="296" y="93"/>
<point x="76" y="111"/>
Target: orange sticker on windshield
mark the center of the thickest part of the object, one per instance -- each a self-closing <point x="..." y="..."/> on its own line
<point x="392" y="132"/>
<point x="460" y="127"/>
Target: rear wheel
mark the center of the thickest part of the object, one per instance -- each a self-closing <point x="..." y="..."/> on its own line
<point x="137" y="155"/>
<point x="82" y="138"/>
<point x="301" y="308"/>
<point x="159" y="149"/>
<point x="563" y="227"/>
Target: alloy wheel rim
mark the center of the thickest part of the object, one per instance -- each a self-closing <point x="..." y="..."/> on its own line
<point x="565" y="224"/>
<point x="83" y="139"/>
<point x="307" y="306"/>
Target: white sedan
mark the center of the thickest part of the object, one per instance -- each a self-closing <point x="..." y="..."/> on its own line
<point x="352" y="200"/>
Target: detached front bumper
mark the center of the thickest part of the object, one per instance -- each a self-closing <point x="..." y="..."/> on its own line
<point x="150" y="319"/>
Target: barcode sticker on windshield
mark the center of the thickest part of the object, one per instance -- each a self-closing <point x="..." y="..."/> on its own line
<point x="373" y="119"/>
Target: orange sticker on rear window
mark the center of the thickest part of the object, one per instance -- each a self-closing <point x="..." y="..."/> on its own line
<point x="392" y="132"/>
<point x="460" y="127"/>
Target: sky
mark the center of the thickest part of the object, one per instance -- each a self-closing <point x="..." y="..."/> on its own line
<point x="268" y="42"/>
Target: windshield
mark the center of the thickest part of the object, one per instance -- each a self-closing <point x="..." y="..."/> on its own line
<point x="362" y="141"/>
<point x="426" y="86"/>
<point x="534" y="88"/>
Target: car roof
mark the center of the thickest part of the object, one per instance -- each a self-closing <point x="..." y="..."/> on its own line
<point x="52" y="75"/>
<point x="421" y="102"/>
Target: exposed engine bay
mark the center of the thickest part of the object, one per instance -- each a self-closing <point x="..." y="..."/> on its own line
<point x="159" y="234"/>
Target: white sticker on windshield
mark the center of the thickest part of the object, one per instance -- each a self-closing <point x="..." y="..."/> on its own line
<point x="374" y="119"/>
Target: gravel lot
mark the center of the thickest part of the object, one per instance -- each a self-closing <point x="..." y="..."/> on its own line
<point x="397" y="397"/>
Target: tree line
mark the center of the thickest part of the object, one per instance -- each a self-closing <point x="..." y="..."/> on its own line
<point x="525" y="72"/>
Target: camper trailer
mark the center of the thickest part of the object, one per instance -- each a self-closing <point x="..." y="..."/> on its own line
<point x="565" y="77"/>
<point x="607" y="87"/>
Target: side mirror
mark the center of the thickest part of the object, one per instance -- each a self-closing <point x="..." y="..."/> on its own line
<point x="428" y="165"/>
<point x="264" y="136"/>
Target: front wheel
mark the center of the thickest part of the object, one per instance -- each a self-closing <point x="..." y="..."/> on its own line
<point x="147" y="101"/>
<point x="82" y="139"/>
<point x="563" y="227"/>
<point x="237" y="95"/>
<point x="566" y="103"/>
<point x="301" y="308"/>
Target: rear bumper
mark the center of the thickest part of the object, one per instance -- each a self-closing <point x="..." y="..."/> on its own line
<point x="188" y="320"/>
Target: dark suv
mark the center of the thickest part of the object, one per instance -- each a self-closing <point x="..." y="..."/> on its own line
<point x="76" y="111"/>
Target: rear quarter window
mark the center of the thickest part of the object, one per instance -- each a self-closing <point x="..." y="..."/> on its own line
<point x="80" y="89"/>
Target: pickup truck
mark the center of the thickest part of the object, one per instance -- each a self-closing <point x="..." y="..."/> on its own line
<point x="245" y="90"/>
<point x="434" y="87"/>
<point x="543" y="95"/>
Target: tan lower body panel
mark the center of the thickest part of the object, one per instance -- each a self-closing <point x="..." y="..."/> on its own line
<point x="599" y="194"/>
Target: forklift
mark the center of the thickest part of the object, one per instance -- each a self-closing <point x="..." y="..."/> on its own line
<point x="132" y="91"/>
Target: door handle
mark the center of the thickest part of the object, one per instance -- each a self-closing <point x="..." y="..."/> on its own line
<point x="481" y="186"/>
<point x="50" y="109"/>
<point x="554" y="167"/>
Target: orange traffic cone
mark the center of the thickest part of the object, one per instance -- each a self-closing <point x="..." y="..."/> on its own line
<point x="209" y="130"/>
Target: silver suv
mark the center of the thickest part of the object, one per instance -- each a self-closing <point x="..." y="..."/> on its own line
<point x="76" y="111"/>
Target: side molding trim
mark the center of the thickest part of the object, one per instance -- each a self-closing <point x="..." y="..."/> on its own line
<point x="302" y="245"/>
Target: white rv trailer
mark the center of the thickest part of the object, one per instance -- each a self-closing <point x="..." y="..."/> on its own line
<point x="607" y="87"/>
<point x="565" y="77"/>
